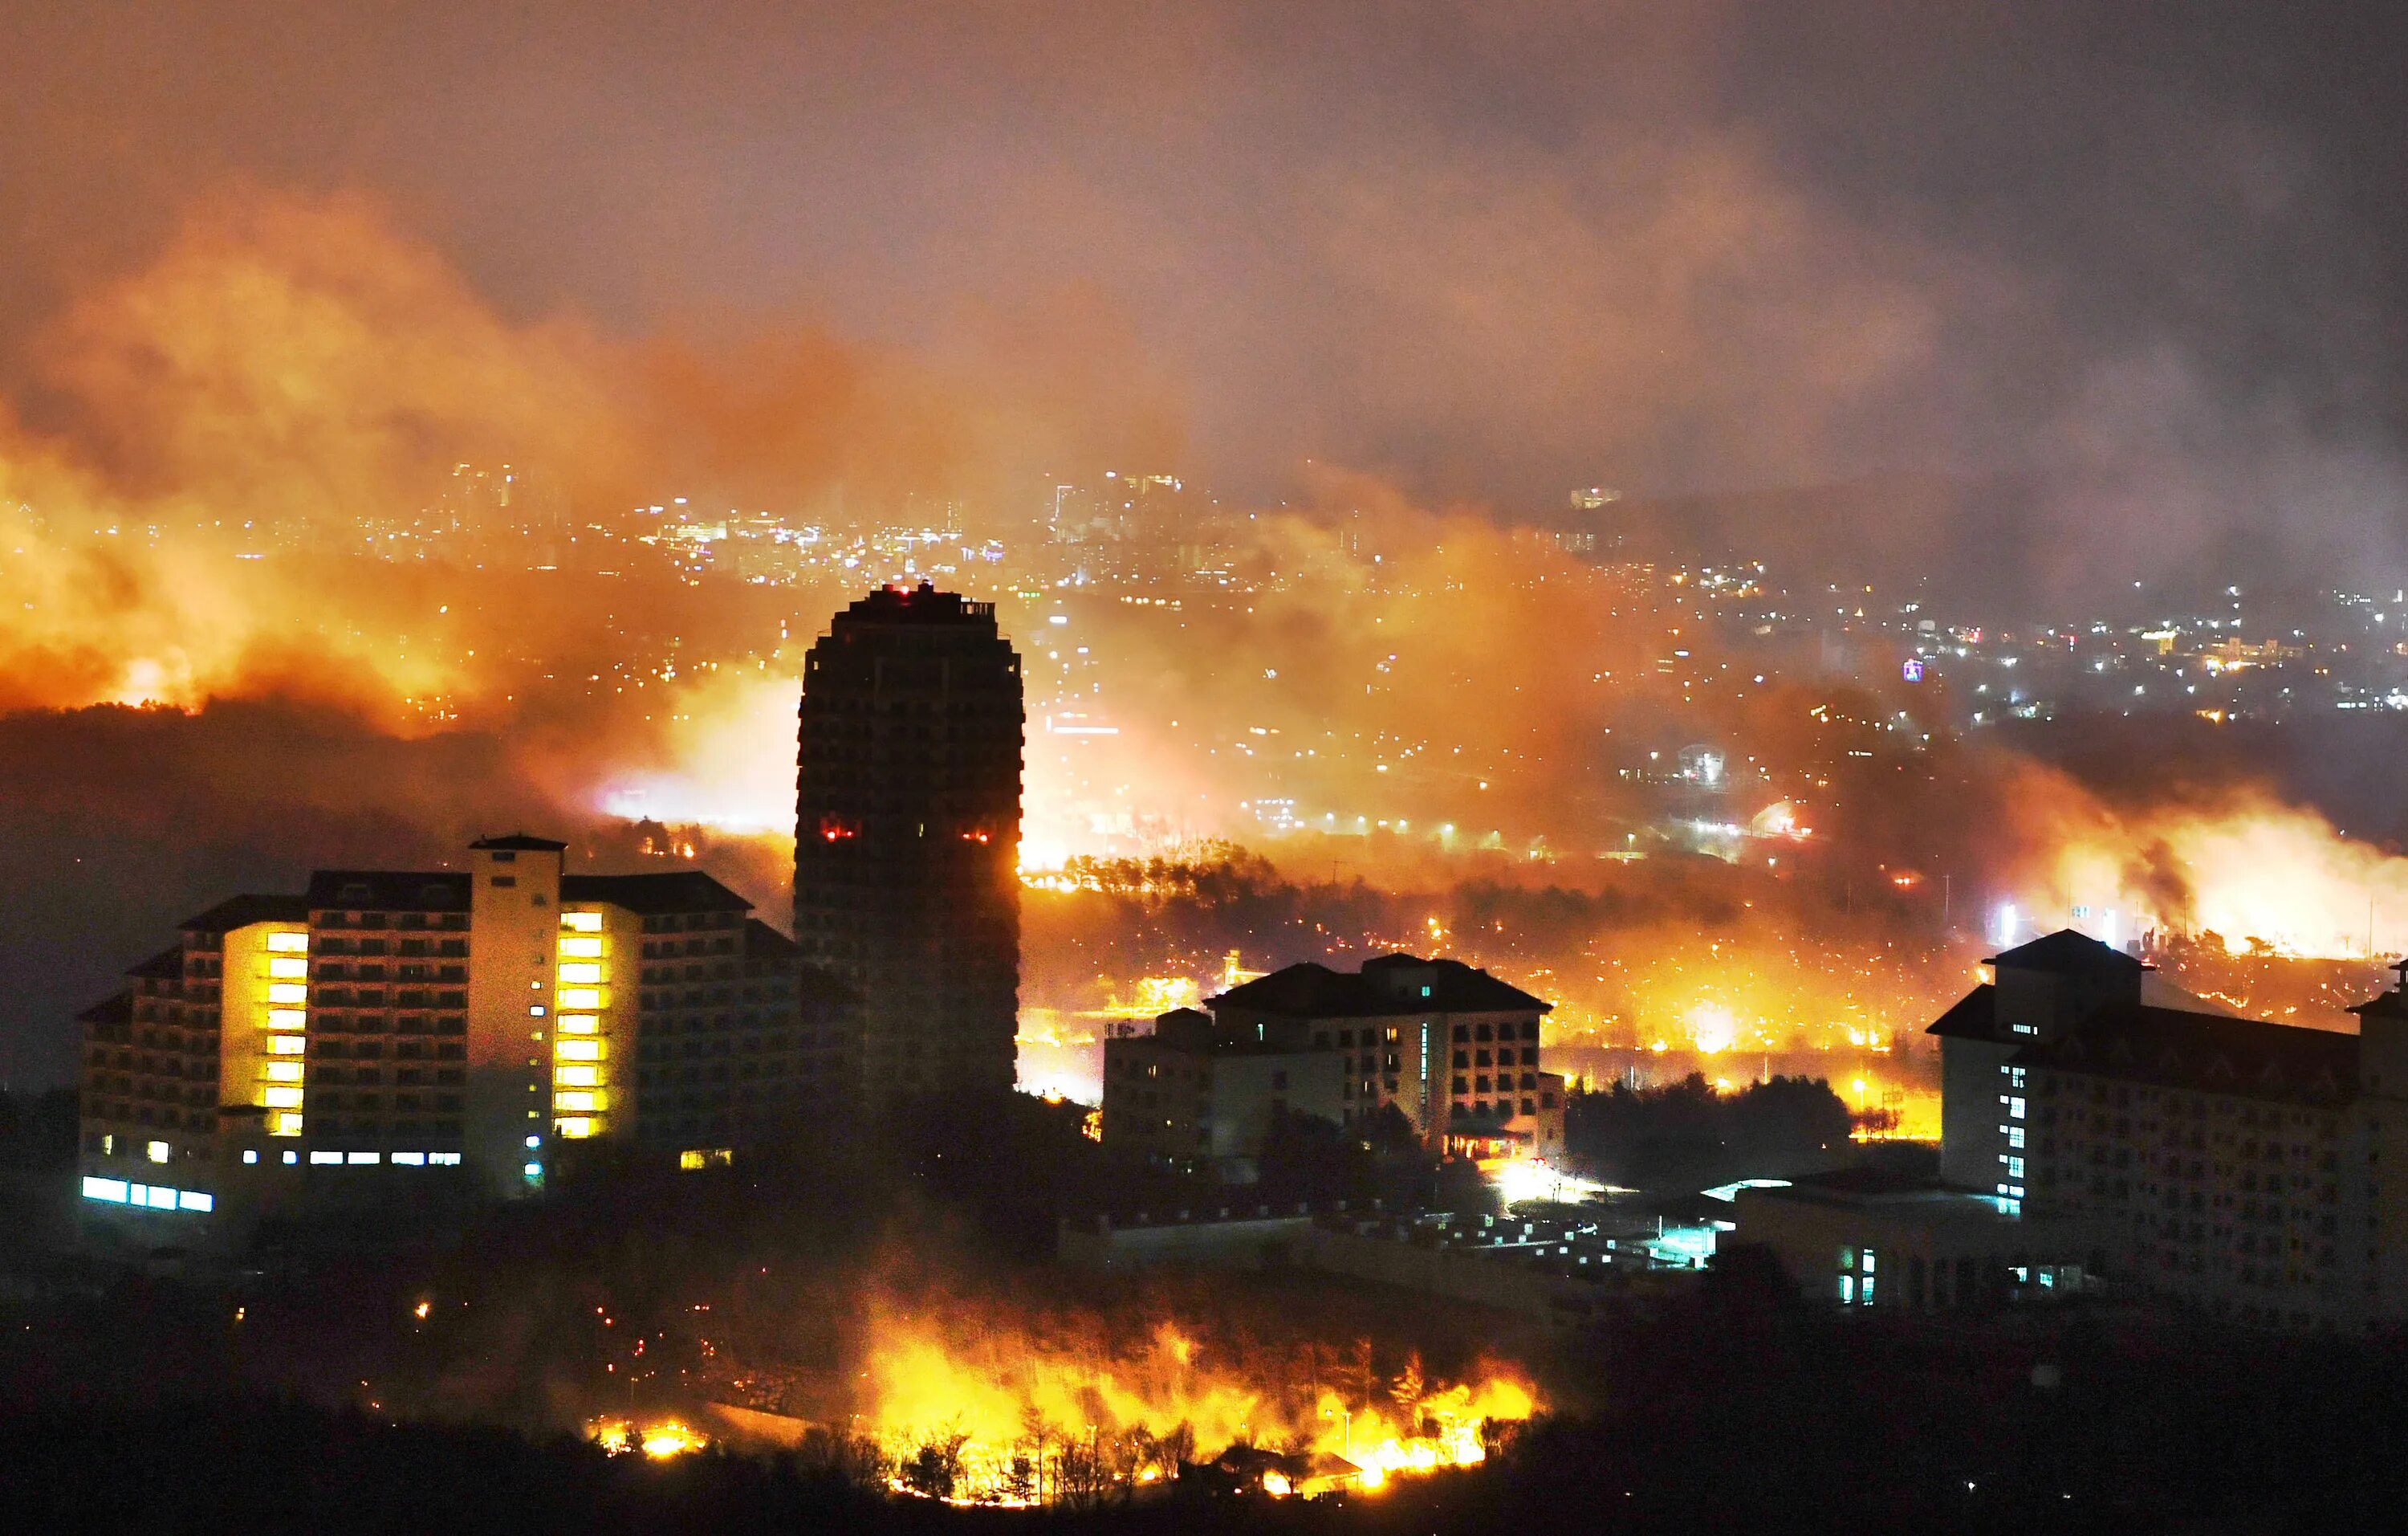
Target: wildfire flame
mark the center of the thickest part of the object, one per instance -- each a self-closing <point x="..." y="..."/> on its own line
<point x="1017" y="1416"/>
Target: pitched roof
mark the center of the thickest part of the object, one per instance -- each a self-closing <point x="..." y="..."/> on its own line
<point x="242" y="911"/>
<point x="1973" y="1017"/>
<point x="764" y="942"/>
<point x="669" y="891"/>
<point x="2203" y="1053"/>
<point x="116" y="1008"/>
<point x="521" y="844"/>
<point x="1387" y="986"/>
<point x="404" y="890"/>
<point x="2065" y="951"/>
<point x="166" y="966"/>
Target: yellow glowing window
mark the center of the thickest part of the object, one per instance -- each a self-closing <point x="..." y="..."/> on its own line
<point x="578" y="1077"/>
<point x="280" y="1099"/>
<point x="155" y="1151"/>
<point x="580" y="949"/>
<point x="284" y="1071"/>
<point x="581" y="922"/>
<point x="284" y="1125"/>
<point x="288" y="966"/>
<point x="690" y="1159"/>
<point x="583" y="1102"/>
<point x="577" y="1050"/>
<point x="287" y="992"/>
<point x="287" y="1018"/>
<point x="577" y="1024"/>
<point x="581" y="973"/>
<point x="579" y="997"/>
<point x="290" y="943"/>
<point x="576" y="1129"/>
<point x="284" y="1045"/>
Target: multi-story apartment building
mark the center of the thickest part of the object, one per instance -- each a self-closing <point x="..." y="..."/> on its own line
<point x="1450" y="1048"/>
<point x="386" y="1024"/>
<point x="907" y="836"/>
<point x="2235" y="1163"/>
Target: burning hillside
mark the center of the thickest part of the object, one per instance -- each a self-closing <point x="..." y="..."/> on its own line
<point x="973" y="1404"/>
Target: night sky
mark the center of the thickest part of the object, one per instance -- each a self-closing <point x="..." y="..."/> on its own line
<point x="1488" y="251"/>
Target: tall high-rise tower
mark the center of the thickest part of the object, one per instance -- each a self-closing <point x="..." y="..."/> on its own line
<point x="907" y="836"/>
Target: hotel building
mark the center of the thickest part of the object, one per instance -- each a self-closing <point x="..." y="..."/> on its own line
<point x="498" y="1021"/>
<point x="2245" y="1167"/>
<point x="1452" y="1050"/>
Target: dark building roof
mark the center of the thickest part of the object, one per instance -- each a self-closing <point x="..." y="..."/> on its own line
<point x="401" y="890"/>
<point x="1973" y="1017"/>
<point x="764" y="942"/>
<point x="166" y="966"/>
<point x="521" y="844"/>
<point x="1388" y="986"/>
<point x="2065" y="951"/>
<point x="2204" y="1052"/>
<point x="670" y="891"/>
<point x="240" y="911"/>
<point x="116" y="1008"/>
<point x="922" y="605"/>
<point x="2389" y="1005"/>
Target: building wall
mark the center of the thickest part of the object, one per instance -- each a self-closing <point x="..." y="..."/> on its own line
<point x="515" y="922"/>
<point x="264" y="1021"/>
<point x="1977" y="1091"/>
<point x="595" y="1020"/>
<point x="2240" y="1204"/>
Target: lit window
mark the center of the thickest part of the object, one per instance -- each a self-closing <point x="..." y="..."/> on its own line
<point x="194" y="1199"/>
<point x="112" y="1190"/>
<point x="2015" y="1109"/>
<point x="280" y="1099"/>
<point x="251" y="1154"/>
<point x="444" y="1159"/>
<point x="288" y="943"/>
<point x="109" y="1147"/>
<point x="582" y="1103"/>
<point x="160" y="1198"/>
<point x="287" y="992"/>
<point x="689" y="1160"/>
<point x="320" y="1160"/>
<point x="410" y="1160"/>
<point x="289" y="968"/>
<point x="2014" y="1167"/>
<point x="284" y="1071"/>
<point x="578" y="1077"/>
<point x="155" y="1151"/>
<point x="578" y="1024"/>
<point x="287" y="1018"/>
<point x="1847" y="1290"/>
<point x="580" y="949"/>
<point x="359" y="1157"/>
<point x="534" y="1170"/>
<point x="292" y="1158"/>
<point x="581" y="973"/>
<point x="576" y="1129"/>
<point x="581" y="922"/>
<point x="580" y="999"/>
<point x="285" y="1045"/>
<point x="284" y="1124"/>
<point x="579" y="1050"/>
